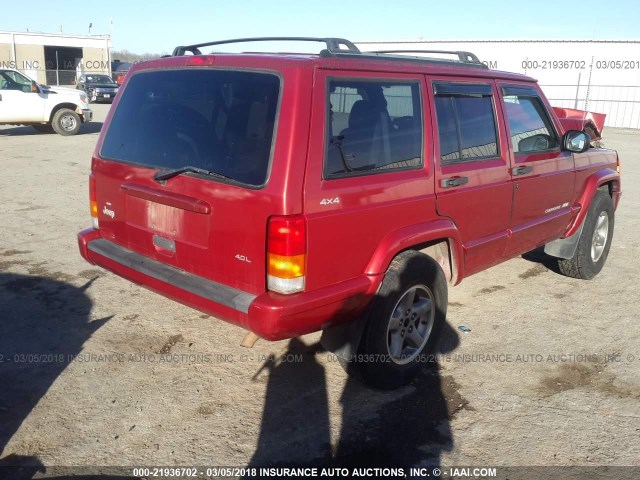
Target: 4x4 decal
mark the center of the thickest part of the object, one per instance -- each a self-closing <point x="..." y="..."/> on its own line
<point x="330" y="201"/>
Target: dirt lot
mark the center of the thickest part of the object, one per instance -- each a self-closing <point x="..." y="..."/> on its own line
<point x="548" y="374"/>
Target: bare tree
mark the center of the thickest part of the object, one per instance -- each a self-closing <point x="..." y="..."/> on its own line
<point x="127" y="56"/>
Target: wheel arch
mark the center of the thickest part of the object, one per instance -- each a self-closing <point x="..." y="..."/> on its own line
<point x="438" y="239"/>
<point x="606" y="180"/>
<point x="60" y="106"/>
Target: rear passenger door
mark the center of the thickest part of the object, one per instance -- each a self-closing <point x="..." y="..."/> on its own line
<point x="543" y="175"/>
<point x="473" y="184"/>
<point x="366" y="176"/>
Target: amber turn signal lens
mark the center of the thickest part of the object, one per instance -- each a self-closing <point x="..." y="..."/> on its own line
<point x="286" y="266"/>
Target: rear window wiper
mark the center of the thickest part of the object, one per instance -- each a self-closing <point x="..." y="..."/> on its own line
<point x="163" y="176"/>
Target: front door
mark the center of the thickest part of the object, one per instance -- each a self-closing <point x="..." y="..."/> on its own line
<point x="17" y="102"/>
<point x="542" y="173"/>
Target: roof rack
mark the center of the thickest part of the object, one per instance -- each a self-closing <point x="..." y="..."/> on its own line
<point x="333" y="44"/>
<point x="342" y="48"/>
<point x="463" y="56"/>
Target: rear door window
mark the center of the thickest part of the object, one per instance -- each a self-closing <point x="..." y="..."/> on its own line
<point x="466" y="122"/>
<point x="218" y="120"/>
<point x="372" y="127"/>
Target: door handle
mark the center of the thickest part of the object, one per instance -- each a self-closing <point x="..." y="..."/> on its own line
<point x="453" y="182"/>
<point x="521" y="170"/>
<point x="0" y="98"/>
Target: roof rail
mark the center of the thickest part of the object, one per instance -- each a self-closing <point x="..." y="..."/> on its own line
<point x="464" y="57"/>
<point x="333" y="44"/>
<point x="342" y="48"/>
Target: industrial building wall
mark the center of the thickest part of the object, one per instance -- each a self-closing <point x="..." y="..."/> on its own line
<point x="54" y="59"/>
<point x="95" y="59"/>
<point x="33" y="56"/>
<point x="600" y="76"/>
<point x="5" y="52"/>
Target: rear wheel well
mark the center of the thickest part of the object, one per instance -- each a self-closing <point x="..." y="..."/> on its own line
<point x="70" y="106"/>
<point x="440" y="251"/>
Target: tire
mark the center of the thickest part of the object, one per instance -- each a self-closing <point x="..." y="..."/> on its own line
<point x="404" y="323"/>
<point x="595" y="241"/>
<point x="43" y="128"/>
<point x="66" y="122"/>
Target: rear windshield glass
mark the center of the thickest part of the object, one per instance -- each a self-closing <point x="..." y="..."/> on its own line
<point x="218" y="120"/>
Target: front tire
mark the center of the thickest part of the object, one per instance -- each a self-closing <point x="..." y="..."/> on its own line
<point x="66" y="122"/>
<point x="595" y="241"/>
<point x="404" y="323"/>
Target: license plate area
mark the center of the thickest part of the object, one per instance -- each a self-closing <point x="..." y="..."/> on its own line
<point x="155" y="220"/>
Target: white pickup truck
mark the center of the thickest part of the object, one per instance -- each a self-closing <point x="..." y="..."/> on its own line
<point x="47" y="109"/>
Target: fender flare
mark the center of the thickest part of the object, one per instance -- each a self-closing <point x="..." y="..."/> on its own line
<point x="344" y="339"/>
<point x="592" y="184"/>
<point x="420" y="235"/>
<point x="61" y="105"/>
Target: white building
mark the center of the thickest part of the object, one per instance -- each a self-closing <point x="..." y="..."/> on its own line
<point x="600" y="76"/>
<point x="55" y="59"/>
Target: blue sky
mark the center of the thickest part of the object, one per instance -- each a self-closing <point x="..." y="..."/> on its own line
<point x="159" y="26"/>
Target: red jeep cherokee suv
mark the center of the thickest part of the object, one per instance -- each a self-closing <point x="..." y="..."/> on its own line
<point x="344" y="191"/>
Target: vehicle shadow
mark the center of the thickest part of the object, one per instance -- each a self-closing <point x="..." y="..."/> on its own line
<point x="91" y="127"/>
<point x="85" y="129"/>
<point x="402" y="428"/>
<point x="44" y="324"/>
<point x="539" y="256"/>
<point x="19" y="467"/>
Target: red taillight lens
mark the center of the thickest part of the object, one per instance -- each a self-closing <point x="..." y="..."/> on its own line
<point x="287" y="236"/>
<point x="286" y="254"/>
<point x="93" y="202"/>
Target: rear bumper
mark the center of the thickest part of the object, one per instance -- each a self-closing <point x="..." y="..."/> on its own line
<point x="269" y="315"/>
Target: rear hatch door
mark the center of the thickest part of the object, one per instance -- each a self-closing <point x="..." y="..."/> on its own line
<point x="219" y="121"/>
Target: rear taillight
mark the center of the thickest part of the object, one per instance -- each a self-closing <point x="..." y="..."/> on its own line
<point x="286" y="254"/>
<point x="93" y="202"/>
<point x="618" y="168"/>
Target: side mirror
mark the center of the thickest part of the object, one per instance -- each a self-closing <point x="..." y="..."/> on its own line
<point x="534" y="143"/>
<point x="576" y="141"/>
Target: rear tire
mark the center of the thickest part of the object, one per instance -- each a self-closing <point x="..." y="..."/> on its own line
<point x="595" y="241"/>
<point x="405" y="321"/>
<point x="66" y="122"/>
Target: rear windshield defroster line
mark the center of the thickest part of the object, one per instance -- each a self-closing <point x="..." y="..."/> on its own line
<point x="220" y="121"/>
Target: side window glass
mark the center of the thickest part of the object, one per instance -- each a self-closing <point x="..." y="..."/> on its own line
<point x="466" y="123"/>
<point x="529" y="124"/>
<point x="447" y="130"/>
<point x="372" y="126"/>
<point x="15" y="81"/>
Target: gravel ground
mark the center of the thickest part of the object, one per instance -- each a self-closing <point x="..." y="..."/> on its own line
<point x="99" y="371"/>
